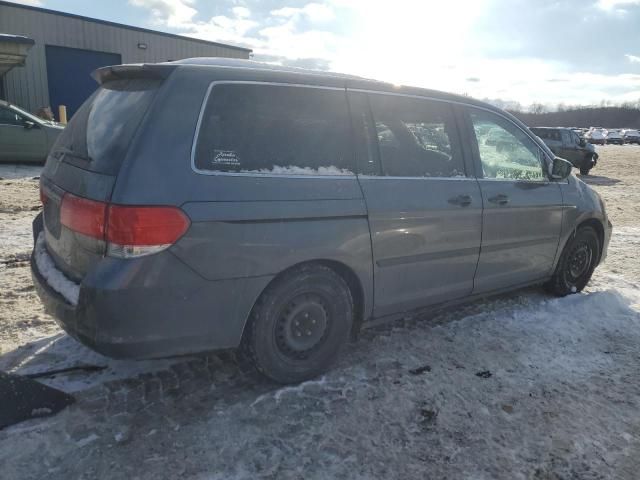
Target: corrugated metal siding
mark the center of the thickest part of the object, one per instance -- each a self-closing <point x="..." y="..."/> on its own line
<point x="27" y="86"/>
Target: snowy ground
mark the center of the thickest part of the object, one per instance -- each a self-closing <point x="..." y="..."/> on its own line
<point x="521" y="386"/>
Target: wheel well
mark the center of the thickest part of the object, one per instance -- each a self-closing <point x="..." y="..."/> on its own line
<point x="597" y="226"/>
<point x="349" y="276"/>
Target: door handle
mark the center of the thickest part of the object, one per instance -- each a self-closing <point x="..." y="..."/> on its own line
<point x="461" y="200"/>
<point x="500" y="199"/>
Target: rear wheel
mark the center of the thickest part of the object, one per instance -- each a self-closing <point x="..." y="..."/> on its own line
<point x="585" y="170"/>
<point x="576" y="265"/>
<point x="299" y="324"/>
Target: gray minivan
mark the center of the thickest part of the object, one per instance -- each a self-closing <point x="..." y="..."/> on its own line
<point x="214" y="203"/>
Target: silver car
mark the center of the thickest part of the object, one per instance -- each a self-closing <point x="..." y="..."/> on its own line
<point x="25" y="137"/>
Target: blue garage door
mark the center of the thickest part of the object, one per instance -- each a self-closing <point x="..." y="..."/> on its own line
<point x="69" y="71"/>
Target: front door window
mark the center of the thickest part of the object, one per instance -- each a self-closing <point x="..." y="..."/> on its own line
<point x="506" y="152"/>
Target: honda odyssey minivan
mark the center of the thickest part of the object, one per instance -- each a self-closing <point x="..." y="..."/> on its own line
<point x="212" y="203"/>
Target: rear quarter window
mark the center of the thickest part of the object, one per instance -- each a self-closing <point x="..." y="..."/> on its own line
<point x="273" y="129"/>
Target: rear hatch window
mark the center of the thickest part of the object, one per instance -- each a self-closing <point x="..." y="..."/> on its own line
<point x="98" y="135"/>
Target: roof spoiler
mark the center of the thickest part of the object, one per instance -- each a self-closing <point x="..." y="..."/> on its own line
<point x="139" y="70"/>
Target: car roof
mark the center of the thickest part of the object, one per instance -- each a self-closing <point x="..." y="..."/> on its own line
<point x="352" y="81"/>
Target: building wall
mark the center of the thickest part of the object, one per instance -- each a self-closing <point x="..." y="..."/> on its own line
<point x="27" y="86"/>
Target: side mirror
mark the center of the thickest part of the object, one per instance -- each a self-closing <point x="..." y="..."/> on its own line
<point x="28" y="124"/>
<point x="560" y="169"/>
<point x="582" y="142"/>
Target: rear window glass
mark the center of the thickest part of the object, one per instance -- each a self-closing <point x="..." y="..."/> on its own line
<point x="98" y="135"/>
<point x="275" y="130"/>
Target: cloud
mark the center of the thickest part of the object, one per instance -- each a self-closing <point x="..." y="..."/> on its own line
<point x="315" y="12"/>
<point x="173" y="13"/>
<point x="241" y="12"/>
<point x="441" y="45"/>
<point x="32" y="3"/>
<point x="616" y="5"/>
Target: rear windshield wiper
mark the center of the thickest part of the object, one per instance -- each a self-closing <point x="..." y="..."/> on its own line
<point x="70" y="153"/>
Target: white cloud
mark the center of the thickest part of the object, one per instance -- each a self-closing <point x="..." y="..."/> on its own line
<point x="431" y="44"/>
<point x="241" y="12"/>
<point x="173" y="13"/>
<point x="617" y="5"/>
<point x="32" y="3"/>
<point x="315" y="12"/>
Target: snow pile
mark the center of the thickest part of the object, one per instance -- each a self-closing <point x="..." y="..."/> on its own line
<point x="293" y="170"/>
<point x="54" y="277"/>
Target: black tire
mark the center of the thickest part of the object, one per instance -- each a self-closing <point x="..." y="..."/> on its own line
<point x="299" y="324"/>
<point x="577" y="263"/>
<point x="585" y="170"/>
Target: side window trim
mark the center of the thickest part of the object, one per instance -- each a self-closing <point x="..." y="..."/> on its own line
<point x="477" y="161"/>
<point x="466" y="141"/>
<point x="203" y="108"/>
<point x="364" y="145"/>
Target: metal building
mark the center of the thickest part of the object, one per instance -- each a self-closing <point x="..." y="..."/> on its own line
<point x="69" y="47"/>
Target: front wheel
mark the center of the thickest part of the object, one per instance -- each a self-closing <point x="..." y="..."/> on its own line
<point x="577" y="263"/>
<point x="585" y="170"/>
<point x="299" y="324"/>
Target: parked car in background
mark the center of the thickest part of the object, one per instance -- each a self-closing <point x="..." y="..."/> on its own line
<point x="595" y="136"/>
<point x="287" y="208"/>
<point x="613" y="137"/>
<point x="566" y="143"/>
<point x="25" y="137"/>
<point x="631" y="135"/>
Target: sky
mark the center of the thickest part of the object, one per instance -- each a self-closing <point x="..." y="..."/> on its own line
<point x="570" y="52"/>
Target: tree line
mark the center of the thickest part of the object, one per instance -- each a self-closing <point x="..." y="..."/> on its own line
<point x="626" y="115"/>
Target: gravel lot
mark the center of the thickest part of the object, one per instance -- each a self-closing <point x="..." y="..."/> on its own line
<point x="520" y="386"/>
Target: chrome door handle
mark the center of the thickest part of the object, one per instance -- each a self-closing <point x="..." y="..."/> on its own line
<point x="500" y="199"/>
<point x="461" y="200"/>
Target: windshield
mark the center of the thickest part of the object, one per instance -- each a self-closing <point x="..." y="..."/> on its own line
<point x="100" y="132"/>
<point x="24" y="113"/>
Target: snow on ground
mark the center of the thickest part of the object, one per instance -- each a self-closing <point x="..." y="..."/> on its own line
<point x="520" y="386"/>
<point x="523" y="386"/>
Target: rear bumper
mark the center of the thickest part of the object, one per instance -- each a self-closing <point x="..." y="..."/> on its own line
<point x="152" y="307"/>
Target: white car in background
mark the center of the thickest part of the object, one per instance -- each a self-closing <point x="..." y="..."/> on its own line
<point x="595" y="136"/>
<point x="631" y="136"/>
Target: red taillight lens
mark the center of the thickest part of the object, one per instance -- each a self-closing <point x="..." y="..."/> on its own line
<point x="83" y="216"/>
<point x="145" y="226"/>
<point x="130" y="231"/>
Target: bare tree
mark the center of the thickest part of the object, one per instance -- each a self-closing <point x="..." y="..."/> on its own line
<point x="537" y="108"/>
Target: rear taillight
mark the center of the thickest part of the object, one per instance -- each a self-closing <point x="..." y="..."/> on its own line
<point x="134" y="231"/>
<point x="43" y="196"/>
<point x="84" y="216"/>
<point x="130" y="231"/>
